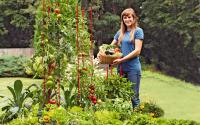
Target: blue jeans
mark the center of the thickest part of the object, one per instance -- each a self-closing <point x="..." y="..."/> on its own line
<point x="135" y="79"/>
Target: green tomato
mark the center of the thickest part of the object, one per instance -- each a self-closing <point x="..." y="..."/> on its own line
<point x="49" y="84"/>
<point x="50" y="78"/>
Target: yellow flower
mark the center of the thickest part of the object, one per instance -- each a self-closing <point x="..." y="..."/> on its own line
<point x="46" y="118"/>
<point x="141" y="106"/>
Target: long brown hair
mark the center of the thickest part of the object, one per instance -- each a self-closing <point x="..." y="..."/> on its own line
<point x="123" y="28"/>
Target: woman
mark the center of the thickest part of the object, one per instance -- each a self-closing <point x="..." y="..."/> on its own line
<point x="130" y="39"/>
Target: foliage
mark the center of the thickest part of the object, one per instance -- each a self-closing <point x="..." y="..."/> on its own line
<point x="77" y="115"/>
<point x="124" y="108"/>
<point x="61" y="38"/>
<point x="16" y="22"/>
<point x="12" y="66"/>
<point x="171" y="37"/>
<point x="140" y="119"/>
<point x="74" y="115"/>
<point x="151" y="109"/>
<point x="16" y="107"/>
<point x="25" y="121"/>
<point x="34" y="67"/>
<point x="182" y="122"/>
<point x="118" y="87"/>
<point x="104" y="117"/>
<point x="69" y="94"/>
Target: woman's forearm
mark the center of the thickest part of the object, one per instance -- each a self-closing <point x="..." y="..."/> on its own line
<point x="131" y="55"/>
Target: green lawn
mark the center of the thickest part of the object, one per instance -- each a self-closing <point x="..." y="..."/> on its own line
<point x="4" y="82"/>
<point x="9" y="82"/>
<point x="179" y="100"/>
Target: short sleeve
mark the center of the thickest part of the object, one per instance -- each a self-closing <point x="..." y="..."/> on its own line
<point x="117" y="36"/>
<point x="139" y="34"/>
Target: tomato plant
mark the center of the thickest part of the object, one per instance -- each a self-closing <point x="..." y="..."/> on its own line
<point x="58" y="43"/>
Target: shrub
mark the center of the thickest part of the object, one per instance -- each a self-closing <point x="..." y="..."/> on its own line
<point x="182" y="122"/>
<point x="118" y="87"/>
<point x="150" y="108"/>
<point x="12" y="66"/>
<point x="20" y="103"/>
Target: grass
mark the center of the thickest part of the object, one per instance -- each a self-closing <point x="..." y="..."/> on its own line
<point x="4" y="82"/>
<point x="180" y="100"/>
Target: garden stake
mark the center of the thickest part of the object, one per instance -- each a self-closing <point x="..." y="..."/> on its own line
<point x="77" y="45"/>
<point x="42" y="40"/>
<point x="91" y="43"/>
<point x="91" y="40"/>
<point x="111" y="70"/>
<point x="91" y="56"/>
<point x="58" y="80"/>
<point x="82" y="42"/>
<point x="58" y="102"/>
<point x="120" y="70"/>
<point x="107" y="68"/>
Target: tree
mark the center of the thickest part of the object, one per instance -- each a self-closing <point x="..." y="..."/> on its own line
<point x="172" y="37"/>
<point x="16" y="22"/>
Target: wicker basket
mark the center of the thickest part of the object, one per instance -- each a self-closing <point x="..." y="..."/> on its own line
<point x="106" y="59"/>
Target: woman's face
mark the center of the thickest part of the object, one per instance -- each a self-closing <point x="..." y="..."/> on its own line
<point x="128" y="20"/>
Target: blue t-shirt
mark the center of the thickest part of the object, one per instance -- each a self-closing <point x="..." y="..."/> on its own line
<point x="127" y="47"/>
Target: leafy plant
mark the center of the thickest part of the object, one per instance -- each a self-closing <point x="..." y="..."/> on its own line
<point x="151" y="109"/>
<point x="124" y="108"/>
<point x="57" y="44"/>
<point x="118" y="87"/>
<point x="12" y="66"/>
<point x="69" y="95"/>
<point x="105" y="117"/>
<point x="19" y="105"/>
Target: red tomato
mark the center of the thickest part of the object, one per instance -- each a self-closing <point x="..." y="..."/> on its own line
<point x="117" y="50"/>
<point x="94" y="102"/>
<point x="94" y="98"/>
<point x="52" y="102"/>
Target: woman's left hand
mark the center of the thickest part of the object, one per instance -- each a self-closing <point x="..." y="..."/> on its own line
<point x="117" y="61"/>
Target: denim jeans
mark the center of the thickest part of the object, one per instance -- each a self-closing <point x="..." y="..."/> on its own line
<point x="135" y="79"/>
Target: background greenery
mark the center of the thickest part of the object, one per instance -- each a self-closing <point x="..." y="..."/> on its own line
<point x="179" y="99"/>
<point x="12" y="66"/>
<point x="16" y="23"/>
<point x="172" y="40"/>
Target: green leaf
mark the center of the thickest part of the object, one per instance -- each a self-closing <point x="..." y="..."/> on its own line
<point x="13" y="92"/>
<point x="18" y="89"/>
